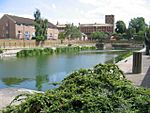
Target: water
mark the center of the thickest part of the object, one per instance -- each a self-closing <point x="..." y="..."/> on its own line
<point x="37" y="72"/>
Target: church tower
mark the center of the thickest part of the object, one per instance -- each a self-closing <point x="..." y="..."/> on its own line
<point x="109" y="19"/>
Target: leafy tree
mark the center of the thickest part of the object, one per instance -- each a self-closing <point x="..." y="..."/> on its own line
<point x="98" y="35"/>
<point x="61" y="36"/>
<point x="140" y="35"/>
<point x="138" y="24"/>
<point x="120" y="27"/>
<point x="41" y="26"/>
<point x="72" y="32"/>
<point x="147" y="40"/>
<point x="130" y="32"/>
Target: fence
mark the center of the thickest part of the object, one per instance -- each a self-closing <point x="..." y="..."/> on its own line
<point x="6" y="43"/>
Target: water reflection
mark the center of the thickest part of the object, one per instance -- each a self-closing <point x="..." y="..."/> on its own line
<point x="13" y="81"/>
<point x="41" y="79"/>
<point x="36" y="72"/>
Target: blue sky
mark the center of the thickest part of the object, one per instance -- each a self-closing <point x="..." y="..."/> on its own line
<point x="75" y="11"/>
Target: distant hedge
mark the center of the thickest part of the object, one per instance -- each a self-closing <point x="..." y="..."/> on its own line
<point x="103" y="89"/>
<point x="49" y="51"/>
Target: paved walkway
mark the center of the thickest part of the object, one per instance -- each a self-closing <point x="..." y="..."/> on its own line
<point x="141" y="79"/>
<point x="9" y="53"/>
<point x="8" y="94"/>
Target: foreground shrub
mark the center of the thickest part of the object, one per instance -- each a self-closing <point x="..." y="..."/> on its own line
<point x="103" y="89"/>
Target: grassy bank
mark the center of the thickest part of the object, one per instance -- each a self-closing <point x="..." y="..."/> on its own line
<point x="49" y="51"/>
<point x="120" y="57"/>
<point x="103" y="89"/>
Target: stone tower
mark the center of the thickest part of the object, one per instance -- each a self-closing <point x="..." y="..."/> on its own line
<point x="109" y="19"/>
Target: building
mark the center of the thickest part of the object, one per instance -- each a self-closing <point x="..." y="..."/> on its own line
<point x="22" y="28"/>
<point x="107" y="27"/>
<point x="61" y="27"/>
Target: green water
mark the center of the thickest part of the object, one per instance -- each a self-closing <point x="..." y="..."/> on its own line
<point x="36" y="72"/>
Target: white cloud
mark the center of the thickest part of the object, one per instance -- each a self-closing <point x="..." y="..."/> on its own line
<point x="53" y="6"/>
<point x="122" y="9"/>
<point x="81" y="11"/>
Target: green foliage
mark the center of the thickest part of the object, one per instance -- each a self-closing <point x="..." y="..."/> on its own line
<point x="148" y="34"/>
<point x="35" y="52"/>
<point x="67" y="49"/>
<point x="1" y="51"/>
<point x="98" y="35"/>
<point x="72" y="32"/>
<point x="139" y="36"/>
<point x="138" y="24"/>
<point x="73" y="49"/>
<point x="120" y="27"/>
<point x="50" y="51"/>
<point x="87" y="48"/>
<point x="130" y="32"/>
<point x="61" y="36"/>
<point x="41" y="26"/>
<point x="103" y="89"/>
<point x="122" y="56"/>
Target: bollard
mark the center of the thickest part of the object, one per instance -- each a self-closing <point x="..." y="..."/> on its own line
<point x="137" y="62"/>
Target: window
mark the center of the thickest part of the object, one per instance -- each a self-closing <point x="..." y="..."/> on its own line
<point x="51" y="35"/>
<point x="6" y="31"/>
<point x="6" y="24"/>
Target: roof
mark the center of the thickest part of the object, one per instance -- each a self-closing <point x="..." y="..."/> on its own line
<point x="26" y="21"/>
<point x="61" y="25"/>
<point x="94" y="25"/>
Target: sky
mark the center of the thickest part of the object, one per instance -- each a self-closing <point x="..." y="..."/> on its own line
<point x="78" y="11"/>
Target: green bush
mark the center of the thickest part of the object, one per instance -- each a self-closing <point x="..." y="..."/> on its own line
<point x="103" y="89"/>
<point x="1" y="51"/>
<point x="49" y="51"/>
<point x="35" y="52"/>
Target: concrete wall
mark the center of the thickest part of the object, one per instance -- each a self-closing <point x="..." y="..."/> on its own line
<point x="5" y="43"/>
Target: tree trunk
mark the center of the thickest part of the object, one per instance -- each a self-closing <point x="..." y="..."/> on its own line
<point x="147" y="50"/>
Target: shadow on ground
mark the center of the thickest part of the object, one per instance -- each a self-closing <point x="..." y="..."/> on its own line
<point x="146" y="81"/>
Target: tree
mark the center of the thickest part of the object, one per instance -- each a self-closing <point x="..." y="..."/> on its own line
<point x="130" y="32"/>
<point x="61" y="36"/>
<point x="120" y="27"/>
<point x="138" y="24"/>
<point x="41" y="26"/>
<point x="72" y="32"/>
<point x="147" y="41"/>
<point x="98" y="35"/>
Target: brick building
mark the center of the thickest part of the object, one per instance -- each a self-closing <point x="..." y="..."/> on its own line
<point x="22" y="28"/>
<point x="61" y="27"/>
<point x="107" y="27"/>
